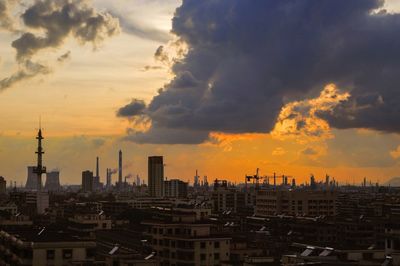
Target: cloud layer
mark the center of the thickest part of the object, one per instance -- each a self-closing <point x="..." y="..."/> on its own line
<point x="245" y="60"/>
<point x="47" y="24"/>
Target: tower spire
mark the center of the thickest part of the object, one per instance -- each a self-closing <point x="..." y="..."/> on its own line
<point x="39" y="169"/>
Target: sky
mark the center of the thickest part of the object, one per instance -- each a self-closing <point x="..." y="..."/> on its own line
<point x="292" y="87"/>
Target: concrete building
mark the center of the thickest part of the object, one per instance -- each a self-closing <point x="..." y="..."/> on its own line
<point x="37" y="247"/>
<point x="156" y="176"/>
<point x="175" y="188"/>
<point x="178" y="238"/>
<point x="53" y="181"/>
<point x="275" y="201"/>
<point x="225" y="198"/>
<point x="87" y="181"/>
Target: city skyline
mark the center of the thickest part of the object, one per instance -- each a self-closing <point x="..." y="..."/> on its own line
<point x="94" y="98"/>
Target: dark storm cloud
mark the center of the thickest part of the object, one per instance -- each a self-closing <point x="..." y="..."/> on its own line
<point x="27" y="70"/>
<point x="245" y="58"/>
<point x="134" y="108"/>
<point x="158" y="135"/>
<point x="58" y="19"/>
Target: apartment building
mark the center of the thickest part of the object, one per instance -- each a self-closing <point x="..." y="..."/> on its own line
<point x="40" y="246"/>
<point x="306" y="202"/>
<point x="179" y="238"/>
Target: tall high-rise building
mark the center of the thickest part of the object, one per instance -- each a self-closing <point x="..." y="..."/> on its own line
<point x="87" y="181"/>
<point x="52" y="181"/>
<point x="31" y="180"/>
<point x="196" y="180"/>
<point x="156" y="176"/>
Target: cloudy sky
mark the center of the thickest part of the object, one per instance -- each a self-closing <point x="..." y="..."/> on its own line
<point x="224" y="86"/>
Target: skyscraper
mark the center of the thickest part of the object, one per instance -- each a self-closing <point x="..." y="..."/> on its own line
<point x="87" y="181"/>
<point x="156" y="176"/>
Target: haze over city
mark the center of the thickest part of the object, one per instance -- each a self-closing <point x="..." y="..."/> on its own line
<point x="224" y="87"/>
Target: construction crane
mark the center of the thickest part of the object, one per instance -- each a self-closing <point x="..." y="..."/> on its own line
<point x="256" y="178"/>
<point x="272" y="179"/>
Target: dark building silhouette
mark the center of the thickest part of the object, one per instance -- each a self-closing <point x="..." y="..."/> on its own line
<point x="87" y="181"/>
<point x="156" y="176"/>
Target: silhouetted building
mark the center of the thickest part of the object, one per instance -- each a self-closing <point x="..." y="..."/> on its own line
<point x="156" y="176"/>
<point x="175" y="188"/>
<point x="87" y="181"/>
<point x="53" y="181"/>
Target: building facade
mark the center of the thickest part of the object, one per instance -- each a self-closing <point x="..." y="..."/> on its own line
<point x="156" y="176"/>
<point x="175" y="188"/>
<point x="87" y="181"/>
<point x="306" y="202"/>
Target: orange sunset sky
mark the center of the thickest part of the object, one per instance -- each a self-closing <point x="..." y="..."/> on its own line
<point x="79" y="81"/>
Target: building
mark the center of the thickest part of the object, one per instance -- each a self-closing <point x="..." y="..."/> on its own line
<point x="156" y="176"/>
<point x="42" y="202"/>
<point x="52" y="181"/>
<point x="175" y="188"/>
<point x="179" y="238"/>
<point x="309" y="202"/>
<point x="231" y="199"/>
<point x="87" y="181"/>
<point x="42" y="246"/>
<point x="3" y="185"/>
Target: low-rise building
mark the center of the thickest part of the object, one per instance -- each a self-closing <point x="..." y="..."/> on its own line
<point x="308" y="202"/>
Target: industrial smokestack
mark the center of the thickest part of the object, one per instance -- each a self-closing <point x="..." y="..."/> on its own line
<point x="120" y="167"/>
<point x="97" y="166"/>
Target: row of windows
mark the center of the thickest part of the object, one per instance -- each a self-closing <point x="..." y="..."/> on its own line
<point x="66" y="254"/>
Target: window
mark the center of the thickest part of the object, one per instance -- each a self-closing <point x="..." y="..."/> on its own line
<point x="203" y="244"/>
<point x="216" y="256"/>
<point x="216" y="244"/>
<point x="104" y="225"/>
<point x="90" y="252"/>
<point x="67" y="253"/>
<point x="50" y="254"/>
<point x="202" y="256"/>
